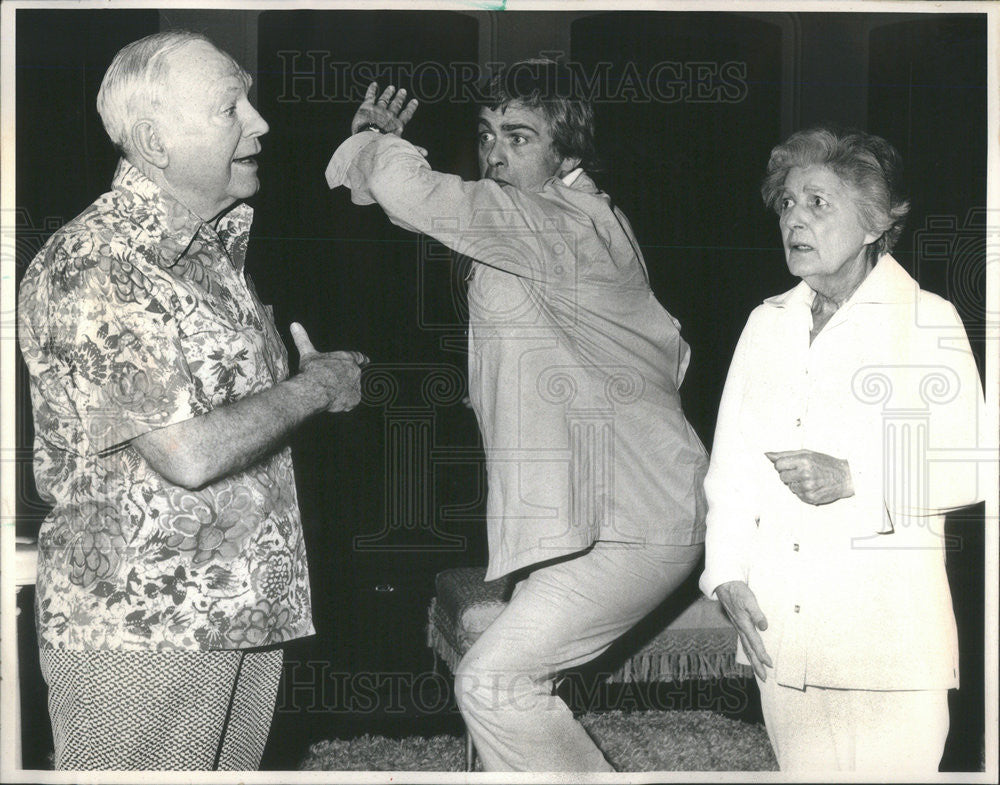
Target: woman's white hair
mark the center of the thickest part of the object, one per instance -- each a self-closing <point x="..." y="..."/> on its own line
<point x="869" y="164"/>
<point x="133" y="86"/>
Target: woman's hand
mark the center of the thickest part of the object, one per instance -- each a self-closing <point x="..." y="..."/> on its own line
<point x="741" y="606"/>
<point x="390" y="112"/>
<point x="816" y="478"/>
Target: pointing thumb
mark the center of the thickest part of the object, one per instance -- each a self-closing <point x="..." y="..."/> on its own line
<point x="302" y="342"/>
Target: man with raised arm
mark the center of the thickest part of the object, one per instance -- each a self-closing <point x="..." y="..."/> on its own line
<point x="595" y="500"/>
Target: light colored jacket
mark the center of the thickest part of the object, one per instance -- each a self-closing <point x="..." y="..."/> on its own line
<point x="574" y="366"/>
<point x="855" y="592"/>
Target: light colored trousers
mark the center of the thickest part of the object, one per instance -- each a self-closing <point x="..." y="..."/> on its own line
<point x="887" y="732"/>
<point x="561" y="615"/>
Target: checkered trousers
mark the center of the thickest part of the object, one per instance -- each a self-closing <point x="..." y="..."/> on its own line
<point x="161" y="710"/>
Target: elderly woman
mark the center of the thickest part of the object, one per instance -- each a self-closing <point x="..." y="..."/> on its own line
<point x="835" y="458"/>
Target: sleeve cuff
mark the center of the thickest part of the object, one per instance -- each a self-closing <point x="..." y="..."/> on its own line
<point x="111" y="432"/>
<point x="338" y="170"/>
<point x="713" y="577"/>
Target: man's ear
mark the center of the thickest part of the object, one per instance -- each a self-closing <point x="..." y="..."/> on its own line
<point x="148" y="144"/>
<point x="567" y="166"/>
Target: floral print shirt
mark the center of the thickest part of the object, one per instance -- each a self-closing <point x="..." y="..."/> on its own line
<point x="137" y="315"/>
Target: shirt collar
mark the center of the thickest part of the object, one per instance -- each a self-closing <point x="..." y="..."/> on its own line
<point x="169" y="224"/>
<point x="570" y="178"/>
<point x="579" y="180"/>
<point x="888" y="282"/>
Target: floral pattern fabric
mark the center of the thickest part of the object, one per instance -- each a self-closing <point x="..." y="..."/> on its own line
<point x="134" y="316"/>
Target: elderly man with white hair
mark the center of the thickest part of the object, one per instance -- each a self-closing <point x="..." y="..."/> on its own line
<point x="172" y="564"/>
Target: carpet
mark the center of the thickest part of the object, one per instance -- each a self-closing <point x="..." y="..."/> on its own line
<point x="631" y="741"/>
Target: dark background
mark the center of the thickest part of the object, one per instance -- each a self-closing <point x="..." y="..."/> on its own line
<point x="393" y="492"/>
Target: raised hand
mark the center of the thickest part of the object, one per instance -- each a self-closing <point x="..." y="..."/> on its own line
<point x="816" y="478"/>
<point x="390" y="111"/>
<point x="336" y="374"/>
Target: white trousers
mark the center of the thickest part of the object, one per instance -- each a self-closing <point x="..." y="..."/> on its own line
<point x="875" y="732"/>
<point x="560" y="616"/>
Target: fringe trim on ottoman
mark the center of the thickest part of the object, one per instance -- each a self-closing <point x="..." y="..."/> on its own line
<point x="439" y="640"/>
<point x="679" y="666"/>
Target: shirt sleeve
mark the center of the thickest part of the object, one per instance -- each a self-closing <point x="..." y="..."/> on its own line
<point x="116" y="356"/>
<point x="947" y="465"/>
<point x="926" y="456"/>
<point x="496" y="225"/>
<point x="732" y="500"/>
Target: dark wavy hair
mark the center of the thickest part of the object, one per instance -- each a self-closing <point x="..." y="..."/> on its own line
<point x="552" y="88"/>
<point x="867" y="163"/>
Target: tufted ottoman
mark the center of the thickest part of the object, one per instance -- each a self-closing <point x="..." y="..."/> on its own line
<point x="686" y="639"/>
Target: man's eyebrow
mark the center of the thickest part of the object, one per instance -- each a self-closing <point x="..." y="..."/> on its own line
<point x="225" y="87"/>
<point x="223" y="92"/>
<point x="518" y="127"/>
